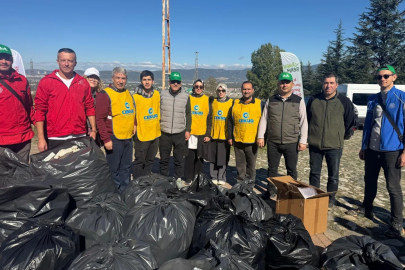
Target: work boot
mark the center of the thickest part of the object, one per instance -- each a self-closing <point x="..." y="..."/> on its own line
<point x="360" y="212"/>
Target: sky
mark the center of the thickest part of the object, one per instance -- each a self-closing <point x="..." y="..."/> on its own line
<point x="128" y="33"/>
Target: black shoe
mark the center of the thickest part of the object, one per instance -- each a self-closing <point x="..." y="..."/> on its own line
<point x="395" y="231"/>
<point x="360" y="212"/>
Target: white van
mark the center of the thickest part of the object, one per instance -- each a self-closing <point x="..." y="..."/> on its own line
<point x="359" y="93"/>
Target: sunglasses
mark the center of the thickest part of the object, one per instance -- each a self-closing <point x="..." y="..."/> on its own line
<point x="198" y="87"/>
<point x="386" y="76"/>
<point x="174" y="82"/>
<point x="221" y="91"/>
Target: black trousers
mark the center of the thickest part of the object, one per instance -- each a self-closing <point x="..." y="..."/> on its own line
<point x="55" y="143"/>
<point x="166" y="143"/>
<point x="332" y="158"/>
<point x="245" y="159"/>
<point x="194" y="165"/>
<point x="145" y="153"/>
<point x="374" y="160"/>
<point x="22" y="149"/>
<point x="290" y="153"/>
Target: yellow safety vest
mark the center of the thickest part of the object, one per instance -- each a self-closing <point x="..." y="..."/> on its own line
<point x="219" y="119"/>
<point x="148" y="117"/>
<point x="123" y="113"/>
<point x="200" y="108"/>
<point x="246" y="119"/>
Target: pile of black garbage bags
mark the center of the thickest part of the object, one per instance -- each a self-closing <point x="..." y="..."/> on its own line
<point x="63" y="211"/>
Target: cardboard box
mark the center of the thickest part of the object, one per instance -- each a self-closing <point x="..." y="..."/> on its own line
<point x="312" y="209"/>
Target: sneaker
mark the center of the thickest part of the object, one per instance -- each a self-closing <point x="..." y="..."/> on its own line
<point x="330" y="206"/>
<point x="221" y="182"/>
<point x="215" y="181"/>
<point x="360" y="212"/>
<point x="179" y="183"/>
<point x="395" y="232"/>
<point x="187" y="183"/>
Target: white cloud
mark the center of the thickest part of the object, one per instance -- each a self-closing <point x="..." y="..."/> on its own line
<point x="136" y="65"/>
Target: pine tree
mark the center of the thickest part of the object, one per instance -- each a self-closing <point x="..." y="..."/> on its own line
<point x="266" y="66"/>
<point x="380" y="40"/>
<point x="309" y="79"/>
<point x="334" y="60"/>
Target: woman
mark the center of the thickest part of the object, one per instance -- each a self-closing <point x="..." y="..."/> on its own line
<point x="200" y="132"/>
<point x="219" y="149"/>
<point x="92" y="75"/>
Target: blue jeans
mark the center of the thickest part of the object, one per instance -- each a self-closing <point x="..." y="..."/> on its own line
<point x="119" y="159"/>
<point x="332" y="158"/>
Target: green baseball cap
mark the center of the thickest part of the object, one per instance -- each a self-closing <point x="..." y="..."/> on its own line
<point x="175" y="76"/>
<point x="5" y="49"/>
<point x="387" y="67"/>
<point x="285" y="76"/>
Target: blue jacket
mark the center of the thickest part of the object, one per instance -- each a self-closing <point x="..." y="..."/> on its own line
<point x="395" y="108"/>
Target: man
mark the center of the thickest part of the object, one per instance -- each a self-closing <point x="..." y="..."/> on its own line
<point x="383" y="146"/>
<point x="175" y="124"/>
<point x="63" y="100"/>
<point x="245" y="115"/>
<point x="147" y="114"/>
<point x="285" y="119"/>
<point x="115" y="113"/>
<point x="330" y="120"/>
<point x="16" y="109"/>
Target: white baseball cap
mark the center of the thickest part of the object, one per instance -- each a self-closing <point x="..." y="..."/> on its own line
<point x="92" y="71"/>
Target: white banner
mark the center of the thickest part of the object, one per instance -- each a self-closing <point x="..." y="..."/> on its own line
<point x="292" y="64"/>
<point x="18" y="63"/>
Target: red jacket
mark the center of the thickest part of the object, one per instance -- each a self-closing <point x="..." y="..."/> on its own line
<point x="64" y="109"/>
<point x="15" y="118"/>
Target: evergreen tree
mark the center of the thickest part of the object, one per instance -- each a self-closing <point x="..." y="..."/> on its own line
<point x="266" y="67"/>
<point x="310" y="81"/>
<point x="380" y="40"/>
<point x="335" y="58"/>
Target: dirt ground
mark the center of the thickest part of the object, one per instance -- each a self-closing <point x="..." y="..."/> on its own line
<point x="350" y="193"/>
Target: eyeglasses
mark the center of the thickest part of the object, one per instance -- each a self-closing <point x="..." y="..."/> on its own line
<point x="174" y="82"/>
<point x="385" y="76"/>
<point x="221" y="91"/>
<point x="198" y="87"/>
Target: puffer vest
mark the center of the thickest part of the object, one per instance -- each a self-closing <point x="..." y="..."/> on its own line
<point x="173" y="112"/>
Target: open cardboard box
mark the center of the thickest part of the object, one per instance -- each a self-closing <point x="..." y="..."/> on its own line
<point x="291" y="199"/>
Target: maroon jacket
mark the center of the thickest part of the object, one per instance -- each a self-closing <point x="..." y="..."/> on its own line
<point x="64" y="109"/>
<point x="15" y="118"/>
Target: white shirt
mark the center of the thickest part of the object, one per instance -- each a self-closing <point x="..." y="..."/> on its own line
<point x="67" y="82"/>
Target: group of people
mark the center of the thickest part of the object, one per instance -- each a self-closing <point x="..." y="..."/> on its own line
<point x="199" y="127"/>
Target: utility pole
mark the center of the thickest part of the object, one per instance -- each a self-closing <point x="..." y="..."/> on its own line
<point x="31" y="69"/>
<point x="196" y="67"/>
<point x="165" y="38"/>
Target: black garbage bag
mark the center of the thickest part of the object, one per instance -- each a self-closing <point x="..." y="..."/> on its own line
<point x="15" y="170"/>
<point x="100" y="219"/>
<point x="290" y="245"/>
<point x="123" y="254"/>
<point x="359" y="252"/>
<point x="247" y="201"/>
<point x="146" y="188"/>
<point x="213" y="258"/>
<point x="85" y="173"/>
<point x="220" y="223"/>
<point x="40" y="245"/>
<point x="165" y="224"/>
<point x="33" y="200"/>
<point x="202" y="184"/>
<point x="190" y="264"/>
